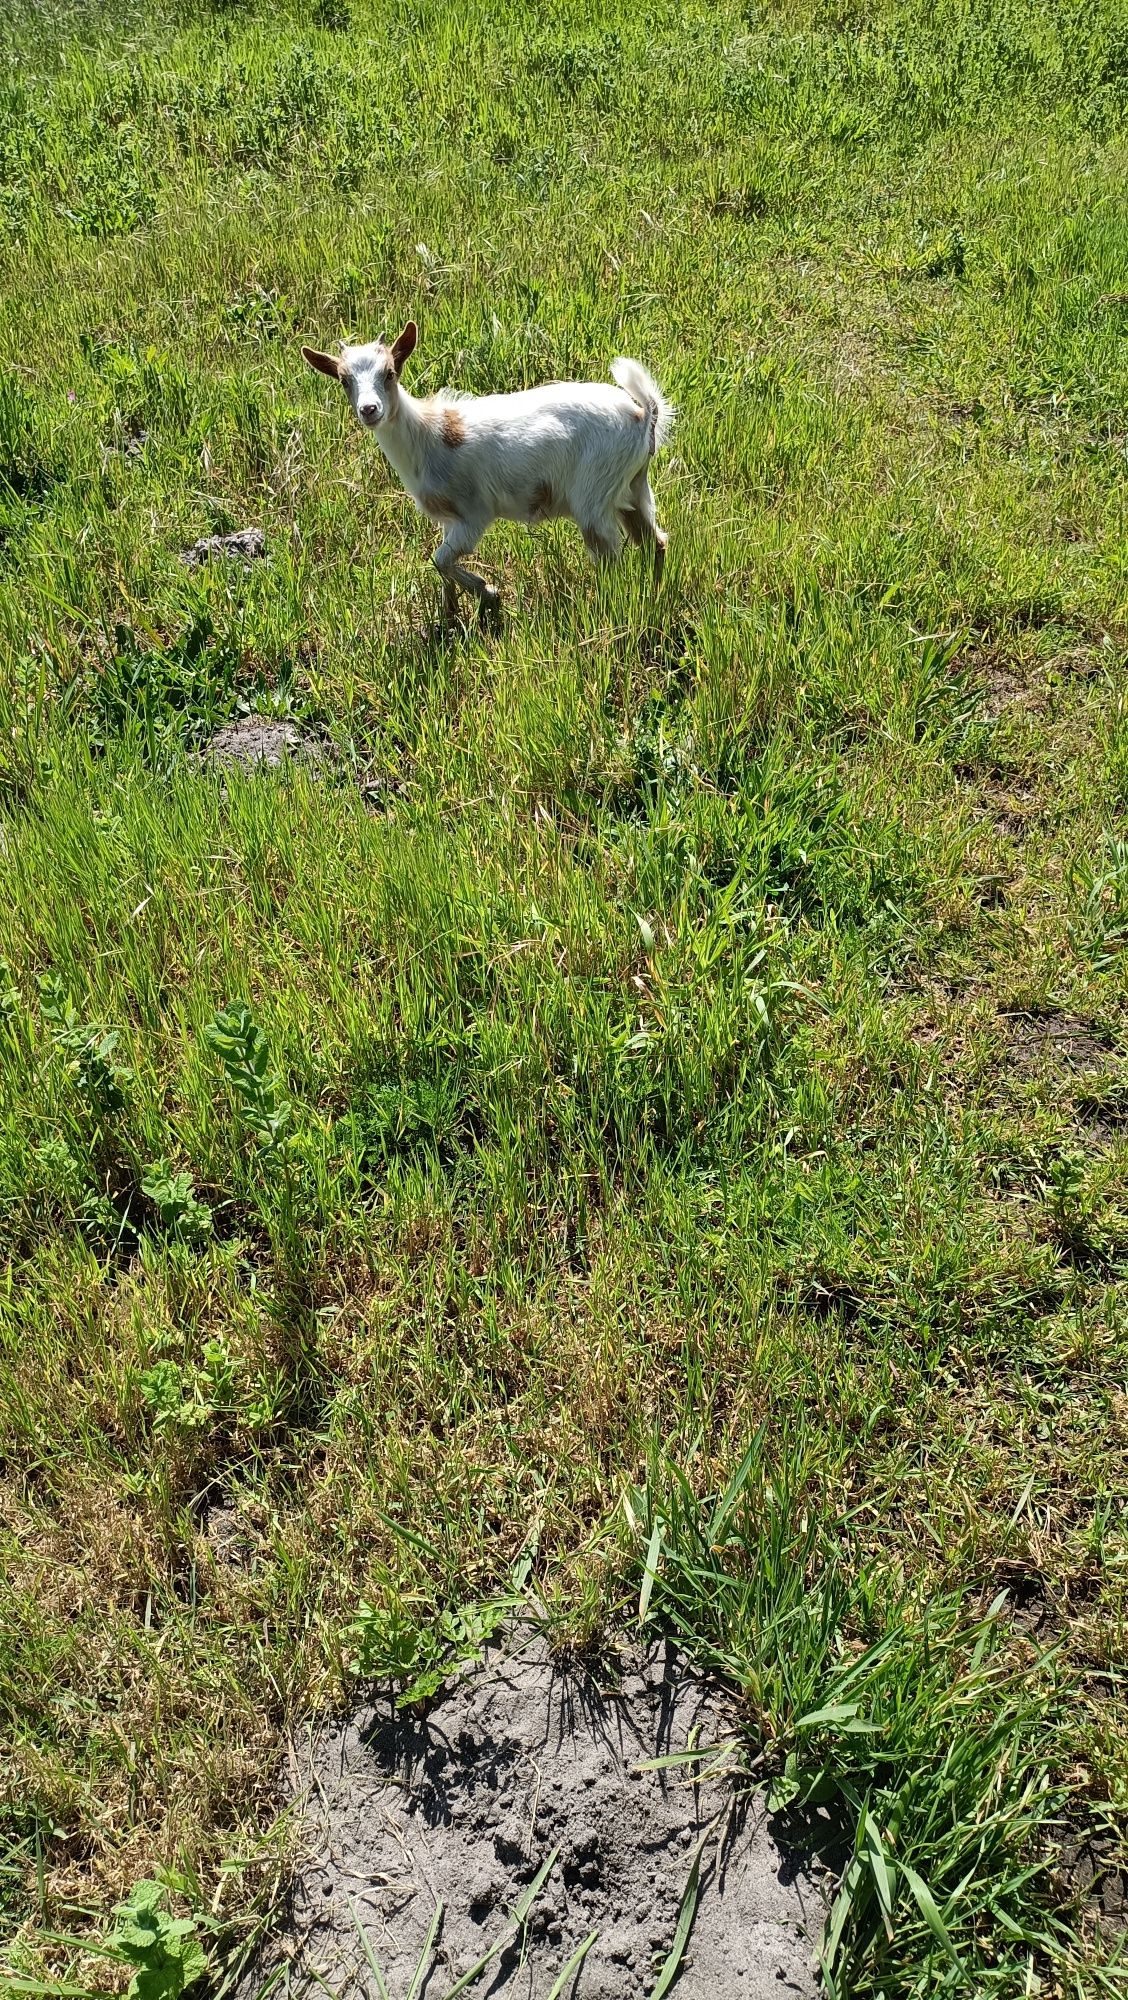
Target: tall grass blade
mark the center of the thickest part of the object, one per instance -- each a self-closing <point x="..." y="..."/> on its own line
<point x="424" y="1959"/>
<point x="649" y="1571"/>
<point x="561" y="1984"/>
<point x="926" y="1904"/>
<point x="369" y="1953"/>
<point x="875" y="1850"/>
<point x="686" y="1912"/>
<point x="529" y="1896"/>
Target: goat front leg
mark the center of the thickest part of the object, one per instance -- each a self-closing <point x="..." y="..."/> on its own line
<point x="602" y="537"/>
<point x="460" y="539"/>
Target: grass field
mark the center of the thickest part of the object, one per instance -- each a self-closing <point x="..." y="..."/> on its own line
<point x="666" y="1041"/>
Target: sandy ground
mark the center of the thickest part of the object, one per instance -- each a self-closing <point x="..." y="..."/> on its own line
<point x="514" y="1760"/>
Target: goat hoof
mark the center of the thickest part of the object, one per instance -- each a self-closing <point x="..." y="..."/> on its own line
<point x="489" y="609"/>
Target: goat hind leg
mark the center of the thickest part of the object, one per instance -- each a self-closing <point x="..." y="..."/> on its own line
<point x="643" y="523"/>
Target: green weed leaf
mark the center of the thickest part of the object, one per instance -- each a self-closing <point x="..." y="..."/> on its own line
<point x="241" y="1046"/>
<point x="165" y="1951"/>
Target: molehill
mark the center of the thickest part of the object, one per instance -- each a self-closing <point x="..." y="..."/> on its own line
<point x="515" y="1762"/>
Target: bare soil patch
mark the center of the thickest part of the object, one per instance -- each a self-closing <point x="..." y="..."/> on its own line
<point x="257" y="740"/>
<point x="1092" y="1868"/>
<point x="245" y="545"/>
<point x="515" y="1761"/>
<point x="1002" y="686"/>
<point x="1040" y="1043"/>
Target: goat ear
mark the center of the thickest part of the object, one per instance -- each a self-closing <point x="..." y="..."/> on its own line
<point x="404" y="344"/>
<point x="326" y="364"/>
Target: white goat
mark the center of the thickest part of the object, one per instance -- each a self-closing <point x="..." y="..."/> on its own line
<point x="581" y="449"/>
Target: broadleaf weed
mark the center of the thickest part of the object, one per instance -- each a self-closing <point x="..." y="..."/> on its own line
<point x="241" y="1047"/>
<point x="165" y="1951"/>
<point x="89" y="1050"/>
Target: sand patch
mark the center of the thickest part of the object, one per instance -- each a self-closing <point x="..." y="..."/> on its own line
<point x="514" y="1762"/>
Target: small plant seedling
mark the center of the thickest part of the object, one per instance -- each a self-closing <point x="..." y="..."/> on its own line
<point x="390" y="1643"/>
<point x="163" y="1392"/>
<point x="242" y="1048"/>
<point x="173" y="1196"/>
<point x="164" y="1951"/>
<point x="1101" y="926"/>
<point x="90" y="1051"/>
<point x="189" y="1398"/>
<point x="67" y="1183"/>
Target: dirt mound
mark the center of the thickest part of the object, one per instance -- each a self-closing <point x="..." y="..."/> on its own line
<point x="246" y="545"/>
<point x="257" y="740"/>
<point x="516" y="1762"/>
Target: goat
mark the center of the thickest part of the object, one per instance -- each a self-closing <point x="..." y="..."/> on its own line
<point x="575" y="449"/>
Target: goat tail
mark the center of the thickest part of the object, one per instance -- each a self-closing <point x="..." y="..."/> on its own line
<point x="633" y="377"/>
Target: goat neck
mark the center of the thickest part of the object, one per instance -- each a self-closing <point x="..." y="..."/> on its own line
<point x="404" y="439"/>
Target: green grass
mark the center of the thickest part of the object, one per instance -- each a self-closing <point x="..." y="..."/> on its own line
<point x="666" y="1024"/>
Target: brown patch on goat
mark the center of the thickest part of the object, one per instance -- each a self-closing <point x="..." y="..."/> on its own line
<point x="440" y="507"/>
<point x="542" y="502"/>
<point x="325" y="364"/>
<point x="453" y="429"/>
<point x="404" y="344"/>
<point x="641" y="412"/>
<point x="634" y="524"/>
